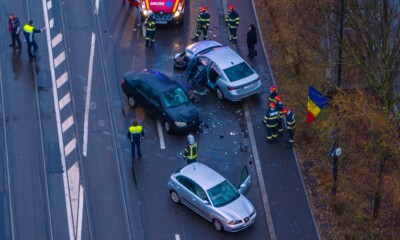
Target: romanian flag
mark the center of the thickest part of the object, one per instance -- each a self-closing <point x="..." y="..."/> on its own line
<point x="316" y="101"/>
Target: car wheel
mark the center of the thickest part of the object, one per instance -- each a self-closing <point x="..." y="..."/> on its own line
<point x="167" y="127"/>
<point x="175" y="197"/>
<point x="218" y="225"/>
<point x="220" y="94"/>
<point x="131" y="102"/>
<point x="180" y="64"/>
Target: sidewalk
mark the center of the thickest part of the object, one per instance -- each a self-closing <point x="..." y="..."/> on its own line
<point x="289" y="206"/>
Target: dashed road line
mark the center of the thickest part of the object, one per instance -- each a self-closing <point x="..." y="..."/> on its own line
<point x="59" y="59"/>
<point x="88" y="92"/>
<point x="67" y="124"/>
<point x="62" y="79"/>
<point x="64" y="101"/>
<point x="177" y="237"/>
<point x="51" y="23"/>
<point x="56" y="40"/>
<point x="161" y="135"/>
<point x="96" y="7"/>
<point x="49" y="5"/>
<point x="260" y="176"/>
<point x="70" y="147"/>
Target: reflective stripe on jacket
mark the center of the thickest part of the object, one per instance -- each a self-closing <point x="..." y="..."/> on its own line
<point x="151" y="24"/>
<point x="232" y="19"/>
<point x="191" y="151"/>
<point x="203" y="19"/>
<point x="271" y="118"/>
<point x="291" y="121"/>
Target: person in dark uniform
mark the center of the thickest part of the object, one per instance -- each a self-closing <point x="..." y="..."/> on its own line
<point x="251" y="41"/>
<point x="271" y="122"/>
<point x="135" y="136"/>
<point x="15" y="29"/>
<point x="203" y="22"/>
<point x="291" y="126"/>
<point x="29" y="32"/>
<point x="150" y="29"/>
<point x="232" y="22"/>
<point x="272" y="94"/>
<point x="280" y="107"/>
<point x="191" y="148"/>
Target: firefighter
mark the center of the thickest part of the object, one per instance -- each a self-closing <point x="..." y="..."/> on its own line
<point x="279" y="107"/>
<point x="271" y="122"/>
<point x="272" y="94"/>
<point x="29" y="32"/>
<point x="232" y="22"/>
<point x="150" y="29"/>
<point x="191" y="148"/>
<point x="291" y="125"/>
<point x="203" y="22"/>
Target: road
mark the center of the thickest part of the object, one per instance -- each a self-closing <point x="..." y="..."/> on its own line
<point x="65" y="160"/>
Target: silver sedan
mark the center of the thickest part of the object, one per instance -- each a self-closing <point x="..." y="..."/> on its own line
<point x="213" y="197"/>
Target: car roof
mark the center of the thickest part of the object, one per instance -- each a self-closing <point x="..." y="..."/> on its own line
<point x="221" y="54"/>
<point x="198" y="47"/>
<point x="157" y="80"/>
<point x="202" y="175"/>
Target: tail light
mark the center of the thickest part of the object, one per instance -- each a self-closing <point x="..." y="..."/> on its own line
<point x="123" y="81"/>
<point x="230" y="88"/>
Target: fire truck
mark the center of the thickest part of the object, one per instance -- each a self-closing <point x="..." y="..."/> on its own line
<point x="166" y="12"/>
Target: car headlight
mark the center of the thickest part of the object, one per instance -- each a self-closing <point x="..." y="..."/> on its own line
<point x="145" y="12"/>
<point x="177" y="13"/>
<point x="180" y="124"/>
<point x="233" y="222"/>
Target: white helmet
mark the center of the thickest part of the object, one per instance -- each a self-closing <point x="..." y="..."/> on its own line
<point x="150" y="12"/>
<point x="190" y="139"/>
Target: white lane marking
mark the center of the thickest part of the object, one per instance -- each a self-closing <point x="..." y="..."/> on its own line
<point x="261" y="182"/>
<point x="49" y="5"/>
<point x="62" y="79"/>
<point x="88" y="92"/>
<point x="73" y="183"/>
<point x="177" y="237"/>
<point x="160" y="134"/>
<point x="97" y="7"/>
<point x="80" y="214"/>
<point x="59" y="59"/>
<point x="70" y="147"/>
<point x="64" y="101"/>
<point x="56" y="40"/>
<point x="67" y="124"/>
<point x="51" y="23"/>
<point x="58" y="121"/>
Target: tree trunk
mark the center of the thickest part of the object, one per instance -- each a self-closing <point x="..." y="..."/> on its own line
<point x="376" y="203"/>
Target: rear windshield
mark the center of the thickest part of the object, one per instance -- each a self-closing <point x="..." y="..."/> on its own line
<point x="238" y="72"/>
<point x="174" y="97"/>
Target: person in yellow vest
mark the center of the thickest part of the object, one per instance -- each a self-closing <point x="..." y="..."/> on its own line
<point x="135" y="136"/>
<point x="191" y="148"/>
<point x="29" y="32"/>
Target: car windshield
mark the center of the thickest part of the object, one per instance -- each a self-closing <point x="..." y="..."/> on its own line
<point x="222" y="194"/>
<point x="239" y="71"/>
<point x="174" y="97"/>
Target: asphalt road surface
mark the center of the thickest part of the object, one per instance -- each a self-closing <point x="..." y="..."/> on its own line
<point x="65" y="165"/>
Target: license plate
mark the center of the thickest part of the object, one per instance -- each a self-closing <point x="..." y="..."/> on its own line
<point x="248" y="86"/>
<point x="162" y="22"/>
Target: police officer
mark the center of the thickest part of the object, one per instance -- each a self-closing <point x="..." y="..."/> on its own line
<point x="272" y="94"/>
<point x="191" y="148"/>
<point x="150" y="29"/>
<point x="291" y="125"/>
<point x="271" y="122"/>
<point x="203" y="22"/>
<point x="232" y="22"/>
<point x="135" y="136"/>
<point x="15" y="29"/>
<point x="279" y="107"/>
<point x="29" y="32"/>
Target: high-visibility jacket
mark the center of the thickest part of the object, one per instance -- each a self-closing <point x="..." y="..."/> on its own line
<point x="272" y="97"/>
<point x="191" y="151"/>
<point x="135" y="133"/>
<point x="203" y="19"/>
<point x="29" y="32"/>
<point x="151" y="23"/>
<point x="271" y="118"/>
<point x="291" y="121"/>
<point x="279" y="107"/>
<point x="232" y="19"/>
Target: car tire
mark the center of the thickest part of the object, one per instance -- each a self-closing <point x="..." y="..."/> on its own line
<point x="131" y="101"/>
<point x="167" y="127"/>
<point x="218" y="225"/>
<point x="220" y="94"/>
<point x="180" y="64"/>
<point x="175" y="197"/>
